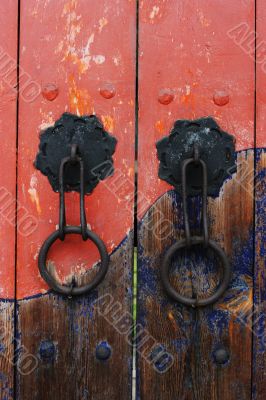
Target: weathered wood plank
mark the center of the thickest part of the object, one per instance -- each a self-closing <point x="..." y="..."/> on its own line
<point x="259" y="340"/>
<point x="259" y="327"/>
<point x="83" y="56"/>
<point x="8" y="110"/>
<point x="64" y="334"/>
<point x="191" y="66"/>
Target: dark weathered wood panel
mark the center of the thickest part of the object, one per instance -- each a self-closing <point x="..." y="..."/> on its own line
<point x="193" y="336"/>
<point x="191" y="66"/>
<point x="259" y="311"/>
<point x="82" y="55"/>
<point x="64" y="334"/>
<point x="8" y="110"/>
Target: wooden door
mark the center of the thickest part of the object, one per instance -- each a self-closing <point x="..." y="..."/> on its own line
<point x="81" y="57"/>
<point x="139" y="66"/>
<point x="196" y="59"/>
<point x="259" y="342"/>
<point x="8" y="219"/>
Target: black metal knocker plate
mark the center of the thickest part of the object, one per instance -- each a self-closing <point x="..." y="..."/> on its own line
<point x="95" y="146"/>
<point x="216" y="147"/>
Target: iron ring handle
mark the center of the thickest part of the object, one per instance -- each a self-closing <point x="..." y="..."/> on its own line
<point x="52" y="282"/>
<point x="165" y="266"/>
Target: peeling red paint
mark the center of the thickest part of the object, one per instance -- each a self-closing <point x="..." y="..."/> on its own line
<point x="200" y="61"/>
<point x="83" y="40"/>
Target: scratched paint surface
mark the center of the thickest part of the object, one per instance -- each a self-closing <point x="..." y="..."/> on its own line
<point x="212" y="76"/>
<point x="197" y="75"/>
<point x="8" y="108"/>
<point x="191" y="66"/>
<point x="64" y="333"/>
<point x="192" y="337"/>
<point x="261" y="76"/>
<point x="83" y="65"/>
<point x="259" y="341"/>
<point x="82" y="54"/>
<point x="8" y="65"/>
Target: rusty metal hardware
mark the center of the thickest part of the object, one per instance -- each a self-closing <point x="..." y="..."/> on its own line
<point x="221" y="355"/>
<point x="89" y="161"/>
<point x="216" y="147"/>
<point x="198" y="163"/>
<point x="103" y="351"/>
<point x="80" y="230"/>
<point x="96" y="147"/>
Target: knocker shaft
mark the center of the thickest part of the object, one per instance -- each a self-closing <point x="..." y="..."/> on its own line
<point x="72" y="159"/>
<point x="185" y="165"/>
<point x="63" y="230"/>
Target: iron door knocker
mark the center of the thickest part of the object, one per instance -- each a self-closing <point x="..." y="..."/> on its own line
<point x="201" y="144"/>
<point x="90" y="160"/>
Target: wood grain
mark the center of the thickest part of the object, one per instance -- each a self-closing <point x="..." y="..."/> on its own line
<point x="192" y="66"/>
<point x="193" y="336"/>
<point x="63" y="334"/>
<point x="75" y="51"/>
<point x="259" y="331"/>
<point x="259" y="311"/>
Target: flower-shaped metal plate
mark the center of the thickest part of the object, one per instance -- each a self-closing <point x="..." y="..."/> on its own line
<point x="216" y="149"/>
<point x="95" y="147"/>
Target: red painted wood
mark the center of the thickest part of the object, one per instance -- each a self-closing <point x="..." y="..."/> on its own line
<point x="8" y="107"/>
<point x="187" y="49"/>
<point x="261" y="76"/>
<point x="76" y="53"/>
<point x="259" y="312"/>
<point x="82" y="54"/>
<point x="191" y="66"/>
<point x="8" y="110"/>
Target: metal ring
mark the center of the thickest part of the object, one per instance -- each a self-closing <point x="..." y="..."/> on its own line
<point x="195" y="240"/>
<point x="51" y="281"/>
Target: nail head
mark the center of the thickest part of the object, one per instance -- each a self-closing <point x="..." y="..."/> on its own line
<point x="107" y="91"/>
<point x="50" y="91"/>
<point x="221" y="98"/>
<point x="103" y="351"/>
<point x="221" y="356"/>
<point x="166" y="96"/>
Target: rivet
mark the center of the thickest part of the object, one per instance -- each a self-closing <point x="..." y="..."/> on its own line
<point x="107" y="91"/>
<point x="221" y="98"/>
<point x="160" y="358"/>
<point x="103" y="351"/>
<point x="47" y="351"/>
<point x="166" y="96"/>
<point x="221" y="356"/>
<point x="50" y="91"/>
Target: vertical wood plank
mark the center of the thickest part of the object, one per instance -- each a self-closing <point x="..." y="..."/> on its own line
<point x="8" y="110"/>
<point x="259" y="340"/>
<point x="259" y="312"/>
<point x="191" y="65"/>
<point x="77" y="50"/>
